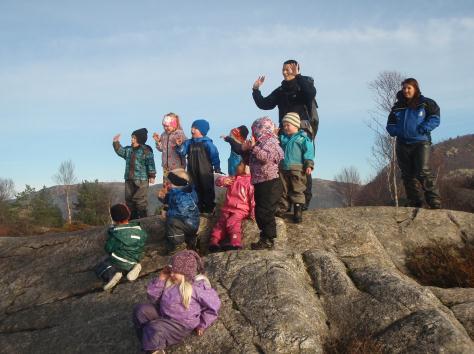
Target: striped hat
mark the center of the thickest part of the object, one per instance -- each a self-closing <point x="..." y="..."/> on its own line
<point x="292" y="118"/>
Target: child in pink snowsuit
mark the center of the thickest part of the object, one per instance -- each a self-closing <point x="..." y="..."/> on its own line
<point x="239" y="204"/>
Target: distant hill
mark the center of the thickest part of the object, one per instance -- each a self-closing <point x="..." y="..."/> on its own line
<point x="324" y="195"/>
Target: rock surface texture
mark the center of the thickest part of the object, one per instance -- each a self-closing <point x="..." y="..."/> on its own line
<point x="335" y="281"/>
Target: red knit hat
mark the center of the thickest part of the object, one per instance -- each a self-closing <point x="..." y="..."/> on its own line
<point x="187" y="263"/>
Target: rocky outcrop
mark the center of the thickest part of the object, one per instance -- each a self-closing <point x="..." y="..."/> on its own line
<point x="339" y="278"/>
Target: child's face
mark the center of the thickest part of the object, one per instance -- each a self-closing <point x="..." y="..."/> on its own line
<point x="240" y="170"/>
<point x="168" y="129"/>
<point x="176" y="277"/>
<point x="134" y="141"/>
<point x="289" y="129"/>
<point x="195" y="133"/>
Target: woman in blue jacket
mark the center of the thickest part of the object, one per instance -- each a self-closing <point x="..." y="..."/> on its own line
<point x="411" y="120"/>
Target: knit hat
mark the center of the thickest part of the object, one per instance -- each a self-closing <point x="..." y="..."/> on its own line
<point x="240" y="133"/>
<point x="141" y="135"/>
<point x="202" y="125"/>
<point x="292" y="118"/>
<point x="171" y="120"/>
<point x="263" y="127"/>
<point x="187" y="263"/>
<point x="179" y="177"/>
<point x="119" y="212"/>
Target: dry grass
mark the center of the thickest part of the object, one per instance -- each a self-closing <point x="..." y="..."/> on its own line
<point x="443" y="265"/>
<point x="361" y="345"/>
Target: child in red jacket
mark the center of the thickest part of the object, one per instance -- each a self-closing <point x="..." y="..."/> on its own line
<point x="239" y="204"/>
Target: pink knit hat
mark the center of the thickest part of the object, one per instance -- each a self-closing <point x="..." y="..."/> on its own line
<point x="187" y="263"/>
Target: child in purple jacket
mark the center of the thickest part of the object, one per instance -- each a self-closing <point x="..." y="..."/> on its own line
<point x="183" y="301"/>
<point x="264" y="156"/>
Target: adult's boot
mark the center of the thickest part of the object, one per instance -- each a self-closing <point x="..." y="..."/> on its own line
<point x="298" y="213"/>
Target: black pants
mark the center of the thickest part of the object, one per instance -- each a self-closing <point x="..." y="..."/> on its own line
<point x="308" y="193"/>
<point x="267" y="195"/>
<point x="105" y="270"/>
<point x="413" y="160"/>
<point x="177" y="232"/>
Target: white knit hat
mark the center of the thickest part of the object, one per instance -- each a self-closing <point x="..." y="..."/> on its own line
<point x="292" y="118"/>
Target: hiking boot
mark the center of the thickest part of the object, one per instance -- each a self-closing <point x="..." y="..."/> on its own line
<point x="214" y="248"/>
<point x="262" y="244"/>
<point x="114" y="281"/>
<point x="434" y="204"/>
<point x="132" y="275"/>
<point x="298" y="214"/>
<point x="231" y="248"/>
<point x="304" y="207"/>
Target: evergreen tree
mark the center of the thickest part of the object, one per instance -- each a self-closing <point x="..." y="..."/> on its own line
<point x="93" y="203"/>
<point x="43" y="211"/>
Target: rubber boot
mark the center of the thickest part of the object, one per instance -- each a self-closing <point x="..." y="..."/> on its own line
<point x="298" y="214"/>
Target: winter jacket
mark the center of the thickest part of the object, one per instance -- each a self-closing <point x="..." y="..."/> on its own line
<point x="239" y="196"/>
<point x="182" y="204"/>
<point x="203" y="307"/>
<point x="140" y="163"/>
<point x="190" y="146"/>
<point x="299" y="151"/>
<point x="413" y="125"/>
<point x="292" y="96"/>
<point x="264" y="159"/>
<point x="125" y="244"/>
<point x="235" y="155"/>
<point x="170" y="159"/>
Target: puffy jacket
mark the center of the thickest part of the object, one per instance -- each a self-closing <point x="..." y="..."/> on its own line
<point x="299" y="151"/>
<point x="139" y="161"/>
<point x="264" y="159"/>
<point x="239" y="196"/>
<point x="182" y="204"/>
<point x="170" y="159"/>
<point x="412" y="125"/>
<point x="212" y="152"/>
<point x="126" y="244"/>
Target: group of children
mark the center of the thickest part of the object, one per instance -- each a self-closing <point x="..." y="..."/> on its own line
<point x="267" y="175"/>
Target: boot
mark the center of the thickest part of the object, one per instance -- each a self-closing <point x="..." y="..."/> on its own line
<point x="434" y="203"/>
<point x="298" y="214"/>
<point x="262" y="244"/>
<point x="114" y="281"/>
<point x="142" y="214"/>
<point x="132" y="275"/>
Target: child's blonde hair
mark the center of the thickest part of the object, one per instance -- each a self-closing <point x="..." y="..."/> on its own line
<point x="186" y="288"/>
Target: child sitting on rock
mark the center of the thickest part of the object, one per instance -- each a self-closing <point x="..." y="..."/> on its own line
<point x="182" y="216"/>
<point x="236" y="138"/>
<point x="182" y="301"/>
<point x="239" y="204"/>
<point x="203" y="160"/>
<point x="125" y="246"/>
<point x="264" y="155"/>
<point x="297" y="164"/>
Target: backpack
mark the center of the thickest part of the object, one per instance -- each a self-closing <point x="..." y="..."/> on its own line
<point x="312" y="125"/>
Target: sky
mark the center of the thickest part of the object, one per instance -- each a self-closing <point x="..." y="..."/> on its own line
<point x="73" y="74"/>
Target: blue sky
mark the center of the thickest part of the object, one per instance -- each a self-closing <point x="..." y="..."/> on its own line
<point x="73" y="74"/>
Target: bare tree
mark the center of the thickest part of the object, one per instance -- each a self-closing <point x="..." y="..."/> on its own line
<point x="66" y="177"/>
<point x="7" y="189"/>
<point x="348" y="184"/>
<point x="384" y="89"/>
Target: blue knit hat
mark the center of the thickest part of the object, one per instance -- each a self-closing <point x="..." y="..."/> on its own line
<point x="202" y="125"/>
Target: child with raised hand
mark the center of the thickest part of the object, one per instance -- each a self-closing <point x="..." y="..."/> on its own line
<point x="264" y="155"/>
<point x="182" y="301"/>
<point x="236" y="138"/>
<point x="125" y="246"/>
<point x="239" y="204"/>
<point x="182" y="216"/>
<point x="139" y="171"/>
<point x="203" y="160"/>
<point x="297" y="164"/>
<point x="166" y="144"/>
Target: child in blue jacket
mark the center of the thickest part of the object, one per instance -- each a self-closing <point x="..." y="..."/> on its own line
<point x="182" y="216"/>
<point x="203" y="160"/>
<point x="296" y="165"/>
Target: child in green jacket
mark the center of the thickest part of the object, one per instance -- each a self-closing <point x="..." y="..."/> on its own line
<point x="296" y="165"/>
<point x="125" y="246"/>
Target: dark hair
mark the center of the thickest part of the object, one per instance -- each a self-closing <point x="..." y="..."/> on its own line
<point x="291" y="61"/>
<point x="413" y="82"/>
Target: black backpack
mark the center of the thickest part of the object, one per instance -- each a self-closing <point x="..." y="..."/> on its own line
<point x="312" y="125"/>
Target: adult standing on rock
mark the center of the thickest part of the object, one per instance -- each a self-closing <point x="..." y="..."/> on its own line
<point x="296" y="94"/>
<point x="411" y="120"/>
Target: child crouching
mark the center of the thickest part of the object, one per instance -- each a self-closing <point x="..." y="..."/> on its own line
<point x="182" y="216"/>
<point x="125" y="246"/>
<point x="182" y="301"/>
<point x="239" y="204"/>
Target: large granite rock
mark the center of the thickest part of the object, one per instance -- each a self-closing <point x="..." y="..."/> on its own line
<point x="337" y="279"/>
